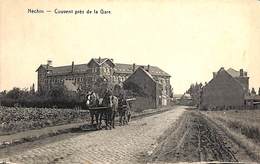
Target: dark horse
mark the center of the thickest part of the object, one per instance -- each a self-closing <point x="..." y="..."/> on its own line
<point x="111" y="102"/>
<point x="106" y="108"/>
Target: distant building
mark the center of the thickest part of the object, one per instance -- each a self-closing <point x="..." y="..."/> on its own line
<point x="227" y="89"/>
<point x="84" y="76"/>
<point x="252" y="101"/>
<point x="186" y="99"/>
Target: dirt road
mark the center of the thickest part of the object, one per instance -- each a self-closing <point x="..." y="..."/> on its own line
<point x="195" y="139"/>
<point x="126" y="144"/>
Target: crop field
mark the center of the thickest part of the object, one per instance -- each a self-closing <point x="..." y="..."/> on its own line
<point x="20" y="119"/>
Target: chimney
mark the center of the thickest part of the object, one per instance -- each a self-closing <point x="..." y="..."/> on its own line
<point x="241" y="73"/>
<point x="148" y="68"/>
<point x="99" y="59"/>
<point x="214" y="74"/>
<point x="245" y="73"/>
<point x="72" y="66"/>
<point x="133" y="67"/>
<point x="49" y="63"/>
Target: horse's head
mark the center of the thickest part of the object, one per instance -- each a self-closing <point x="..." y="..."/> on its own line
<point x="107" y="101"/>
<point x="88" y="100"/>
<point x="91" y="99"/>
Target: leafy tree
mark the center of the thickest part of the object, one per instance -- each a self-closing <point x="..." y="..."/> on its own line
<point x="195" y="92"/>
<point x="253" y="92"/>
<point x="57" y="91"/>
<point x="32" y="89"/>
<point x="3" y="93"/>
<point x="16" y="93"/>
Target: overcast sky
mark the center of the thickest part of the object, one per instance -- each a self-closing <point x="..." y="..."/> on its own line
<point x="189" y="39"/>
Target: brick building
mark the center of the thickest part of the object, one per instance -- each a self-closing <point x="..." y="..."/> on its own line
<point x="227" y="89"/>
<point x="148" y="92"/>
<point x="84" y="76"/>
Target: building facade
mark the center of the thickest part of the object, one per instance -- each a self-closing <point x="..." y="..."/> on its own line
<point x="227" y="89"/>
<point x="85" y="76"/>
<point x="148" y="92"/>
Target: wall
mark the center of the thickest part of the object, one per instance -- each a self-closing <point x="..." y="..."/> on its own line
<point x="142" y="103"/>
<point x="223" y="90"/>
<point x="244" y="81"/>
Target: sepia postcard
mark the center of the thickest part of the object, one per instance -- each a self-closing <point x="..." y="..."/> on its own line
<point x="170" y="81"/>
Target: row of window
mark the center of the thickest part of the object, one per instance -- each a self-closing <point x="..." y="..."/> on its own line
<point x="78" y="79"/>
<point x="163" y="81"/>
<point x="114" y="79"/>
<point x="104" y="69"/>
<point x="119" y="78"/>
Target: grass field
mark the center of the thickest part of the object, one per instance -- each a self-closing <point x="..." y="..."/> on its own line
<point x="245" y="122"/>
<point x="242" y="125"/>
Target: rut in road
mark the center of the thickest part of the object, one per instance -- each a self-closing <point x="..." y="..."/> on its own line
<point x="196" y="139"/>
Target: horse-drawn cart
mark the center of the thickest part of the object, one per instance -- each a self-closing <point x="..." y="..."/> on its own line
<point x="106" y="109"/>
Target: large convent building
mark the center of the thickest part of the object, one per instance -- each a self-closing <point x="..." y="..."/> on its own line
<point x="86" y="74"/>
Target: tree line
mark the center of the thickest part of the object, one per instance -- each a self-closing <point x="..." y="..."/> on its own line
<point x="57" y="96"/>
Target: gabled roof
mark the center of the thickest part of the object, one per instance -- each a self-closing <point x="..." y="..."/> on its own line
<point x="235" y="73"/>
<point x="144" y="71"/>
<point x="41" y="66"/>
<point x="128" y="69"/>
<point x="221" y="71"/>
<point x="100" y="61"/>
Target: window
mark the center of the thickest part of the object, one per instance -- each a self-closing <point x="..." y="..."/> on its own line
<point x="108" y="71"/>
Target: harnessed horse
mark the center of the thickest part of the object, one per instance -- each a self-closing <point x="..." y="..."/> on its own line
<point x="124" y="111"/>
<point x="111" y="102"/>
<point x="92" y="102"/>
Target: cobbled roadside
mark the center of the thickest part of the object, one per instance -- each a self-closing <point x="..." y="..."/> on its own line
<point x="121" y="145"/>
